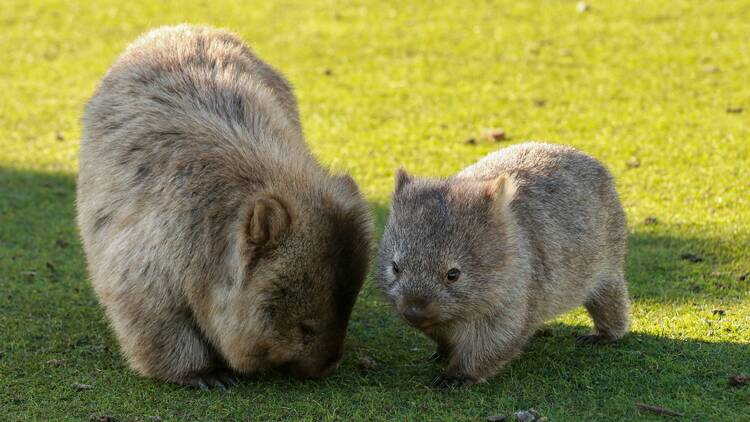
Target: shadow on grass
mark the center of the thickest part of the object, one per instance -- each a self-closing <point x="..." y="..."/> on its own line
<point x="48" y="311"/>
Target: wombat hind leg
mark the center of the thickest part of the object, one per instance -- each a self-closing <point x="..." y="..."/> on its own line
<point x="166" y="346"/>
<point x="608" y="306"/>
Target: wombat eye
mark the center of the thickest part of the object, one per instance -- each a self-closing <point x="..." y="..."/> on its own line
<point x="453" y="274"/>
<point x="395" y="267"/>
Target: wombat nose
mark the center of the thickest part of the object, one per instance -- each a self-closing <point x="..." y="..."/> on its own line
<point x="332" y="363"/>
<point x="415" y="314"/>
<point x="315" y="367"/>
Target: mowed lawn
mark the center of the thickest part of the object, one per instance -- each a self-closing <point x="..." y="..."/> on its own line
<point x="657" y="90"/>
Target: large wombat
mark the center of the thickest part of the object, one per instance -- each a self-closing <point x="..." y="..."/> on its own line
<point x="214" y="239"/>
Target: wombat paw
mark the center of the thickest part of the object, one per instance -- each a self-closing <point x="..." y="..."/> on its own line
<point x="594" y="339"/>
<point x="217" y="378"/>
<point x="445" y="381"/>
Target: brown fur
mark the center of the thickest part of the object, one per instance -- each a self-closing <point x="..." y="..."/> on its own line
<point x="534" y="229"/>
<point x="213" y="237"/>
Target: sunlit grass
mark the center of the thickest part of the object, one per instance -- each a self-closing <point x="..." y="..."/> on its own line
<point x="662" y="85"/>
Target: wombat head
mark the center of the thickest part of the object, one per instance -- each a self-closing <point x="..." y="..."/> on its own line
<point x="445" y="243"/>
<point x="303" y="258"/>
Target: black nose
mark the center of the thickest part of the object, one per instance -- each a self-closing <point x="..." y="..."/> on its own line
<point x="415" y="314"/>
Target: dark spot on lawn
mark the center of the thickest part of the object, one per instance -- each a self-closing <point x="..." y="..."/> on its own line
<point x="540" y="102"/>
<point x="743" y="277"/>
<point x="367" y="363"/>
<point x="471" y="141"/>
<point x="734" y="110"/>
<point x="101" y="418"/>
<point x="494" y="134"/>
<point x="328" y="72"/>
<point x="719" y="312"/>
<point x="59" y="136"/>
<point x="61" y="243"/>
<point x="50" y="266"/>
<point x="739" y="380"/>
<point x="691" y="257"/>
<point x="711" y="69"/>
<point x="650" y="220"/>
<point x="633" y="163"/>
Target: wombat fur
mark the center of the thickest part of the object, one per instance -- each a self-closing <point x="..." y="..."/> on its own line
<point x="481" y="259"/>
<point x="215" y="241"/>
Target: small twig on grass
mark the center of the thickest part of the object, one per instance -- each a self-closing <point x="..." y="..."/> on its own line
<point x="658" y="410"/>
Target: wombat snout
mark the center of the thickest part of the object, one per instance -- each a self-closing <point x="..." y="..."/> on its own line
<point x="418" y="312"/>
<point x="314" y="367"/>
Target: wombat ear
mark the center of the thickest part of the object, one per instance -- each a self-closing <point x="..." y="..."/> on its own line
<point x="348" y="183"/>
<point x="402" y="179"/>
<point x="269" y="219"/>
<point x="501" y="190"/>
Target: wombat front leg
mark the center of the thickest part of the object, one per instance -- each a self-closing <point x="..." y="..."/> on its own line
<point x="214" y="378"/>
<point x="443" y="351"/>
<point x="608" y="306"/>
<point x="168" y="347"/>
<point x="476" y="364"/>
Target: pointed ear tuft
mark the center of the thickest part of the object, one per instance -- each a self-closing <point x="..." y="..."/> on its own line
<point x="402" y="179"/>
<point x="270" y="218"/>
<point x="347" y="181"/>
<point x="501" y="191"/>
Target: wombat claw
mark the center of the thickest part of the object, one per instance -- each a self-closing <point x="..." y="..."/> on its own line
<point x="436" y="357"/>
<point x="594" y="339"/>
<point x="222" y="379"/>
<point x="445" y="381"/>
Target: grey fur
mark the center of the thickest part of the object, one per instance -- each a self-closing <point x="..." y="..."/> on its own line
<point x="535" y="229"/>
<point x="205" y="218"/>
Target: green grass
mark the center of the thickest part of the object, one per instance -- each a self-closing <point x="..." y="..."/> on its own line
<point x="389" y="83"/>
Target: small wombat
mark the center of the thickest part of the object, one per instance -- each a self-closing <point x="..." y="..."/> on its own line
<point x="479" y="260"/>
<point x="214" y="239"/>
